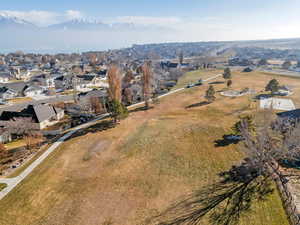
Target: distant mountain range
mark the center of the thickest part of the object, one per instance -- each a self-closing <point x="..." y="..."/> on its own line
<point x="80" y="24"/>
<point x="88" y="35"/>
<point x="8" y="22"/>
<point x="14" y="22"/>
<point x="75" y="35"/>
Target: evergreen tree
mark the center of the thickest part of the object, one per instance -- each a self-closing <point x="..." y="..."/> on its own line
<point x="272" y="86"/>
<point x="227" y="74"/>
<point x="210" y="94"/>
<point x="117" y="110"/>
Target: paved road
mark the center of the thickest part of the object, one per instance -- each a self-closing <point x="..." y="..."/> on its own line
<point x="13" y="182"/>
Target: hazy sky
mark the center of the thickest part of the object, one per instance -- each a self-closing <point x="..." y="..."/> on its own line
<point x="194" y="20"/>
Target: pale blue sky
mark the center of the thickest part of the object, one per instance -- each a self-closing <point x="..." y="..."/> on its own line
<point x="231" y="9"/>
<point x="189" y="20"/>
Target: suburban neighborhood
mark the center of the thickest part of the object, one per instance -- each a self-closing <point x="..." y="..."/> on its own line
<point x="149" y="112"/>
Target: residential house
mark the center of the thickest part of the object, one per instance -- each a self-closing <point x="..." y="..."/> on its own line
<point x="34" y="90"/>
<point x="63" y="82"/>
<point x="44" y="80"/>
<point x="7" y="93"/>
<point x="90" y="81"/>
<point x="5" y="77"/>
<point x="24" y="75"/>
<point x="42" y="115"/>
<point x="17" y="88"/>
<point x="102" y="73"/>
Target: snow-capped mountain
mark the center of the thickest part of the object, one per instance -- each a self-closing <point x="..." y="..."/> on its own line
<point x="14" y="22"/>
<point x="95" y="25"/>
<point x="80" y="24"/>
<point x="74" y="35"/>
<point x="10" y="22"/>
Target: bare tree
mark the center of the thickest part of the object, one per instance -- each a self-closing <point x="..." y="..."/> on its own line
<point x="33" y="140"/>
<point x="229" y="83"/>
<point x="115" y="107"/>
<point x="127" y="79"/>
<point x="114" y="81"/>
<point x="127" y="96"/>
<point x="147" y="79"/>
<point x="3" y="151"/>
<point x="21" y="126"/>
<point x="96" y="105"/>
<point x="75" y="86"/>
<point x="180" y="57"/>
<point x="228" y="200"/>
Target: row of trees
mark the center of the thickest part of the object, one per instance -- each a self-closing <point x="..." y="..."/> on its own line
<point x="117" y="95"/>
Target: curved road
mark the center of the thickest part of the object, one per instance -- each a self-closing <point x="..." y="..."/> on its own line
<point x="13" y="182"/>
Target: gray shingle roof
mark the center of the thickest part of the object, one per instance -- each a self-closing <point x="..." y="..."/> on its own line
<point x="44" y="112"/>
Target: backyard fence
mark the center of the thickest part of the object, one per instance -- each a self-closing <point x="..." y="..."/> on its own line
<point x="288" y="202"/>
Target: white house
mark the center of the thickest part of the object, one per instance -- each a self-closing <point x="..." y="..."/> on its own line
<point x="34" y="90"/>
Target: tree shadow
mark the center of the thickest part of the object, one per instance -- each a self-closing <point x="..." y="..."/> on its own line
<point x="98" y="127"/>
<point x="197" y="104"/>
<point x="222" y="203"/>
<point x="217" y="82"/>
<point x="140" y="109"/>
<point x="226" y="140"/>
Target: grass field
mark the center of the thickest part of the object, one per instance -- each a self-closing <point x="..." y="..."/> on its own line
<point x="134" y="171"/>
<point x="194" y="76"/>
<point x="15" y="144"/>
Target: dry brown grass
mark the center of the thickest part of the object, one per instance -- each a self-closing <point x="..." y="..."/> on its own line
<point x="20" y="100"/>
<point x="138" y="168"/>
